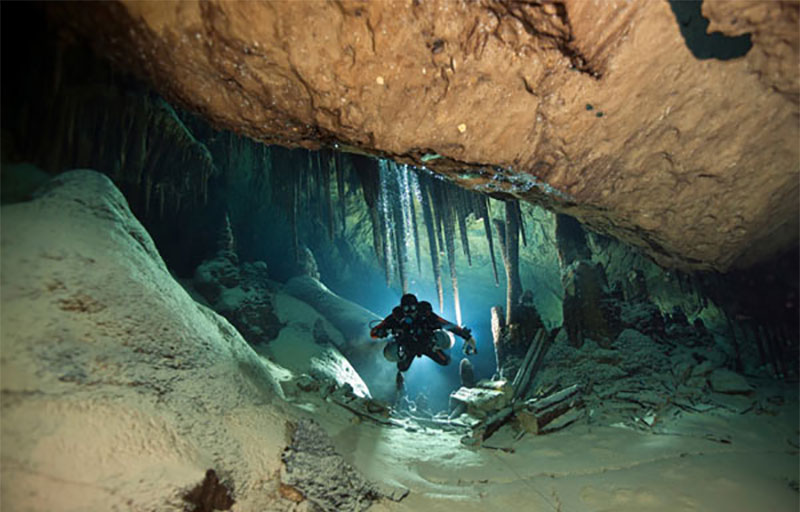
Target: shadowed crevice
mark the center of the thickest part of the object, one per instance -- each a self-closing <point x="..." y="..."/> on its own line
<point x="703" y="45"/>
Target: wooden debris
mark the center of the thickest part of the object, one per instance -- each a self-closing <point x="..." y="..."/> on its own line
<point x="531" y="363"/>
<point x="535" y="414"/>
<point x="550" y="407"/>
<point x="480" y="401"/>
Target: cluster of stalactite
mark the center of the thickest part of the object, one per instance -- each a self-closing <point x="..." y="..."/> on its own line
<point x="302" y="182"/>
<point x="87" y="116"/>
<point x="398" y="198"/>
<point x="394" y="195"/>
<point x="169" y="163"/>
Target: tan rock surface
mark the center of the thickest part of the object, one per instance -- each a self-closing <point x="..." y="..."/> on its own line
<point x="694" y="160"/>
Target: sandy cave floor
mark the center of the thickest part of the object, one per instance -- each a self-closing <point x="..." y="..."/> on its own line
<point x="702" y="462"/>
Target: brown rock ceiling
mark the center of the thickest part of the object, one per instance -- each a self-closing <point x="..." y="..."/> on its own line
<point x="696" y="161"/>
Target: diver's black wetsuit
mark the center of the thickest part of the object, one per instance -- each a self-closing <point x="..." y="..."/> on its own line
<point x="414" y="335"/>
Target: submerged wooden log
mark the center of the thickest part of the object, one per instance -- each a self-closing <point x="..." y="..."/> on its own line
<point x="538" y="413"/>
<point x="525" y="373"/>
<point x="534" y="414"/>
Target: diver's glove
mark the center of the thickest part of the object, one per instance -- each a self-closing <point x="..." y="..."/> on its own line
<point x="379" y="333"/>
<point x="470" y="346"/>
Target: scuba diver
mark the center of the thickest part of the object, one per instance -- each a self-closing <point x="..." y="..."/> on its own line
<point x="416" y="330"/>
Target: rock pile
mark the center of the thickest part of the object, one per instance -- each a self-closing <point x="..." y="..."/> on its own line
<point x="240" y="293"/>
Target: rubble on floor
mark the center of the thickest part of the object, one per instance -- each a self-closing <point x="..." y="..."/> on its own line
<point x="314" y="471"/>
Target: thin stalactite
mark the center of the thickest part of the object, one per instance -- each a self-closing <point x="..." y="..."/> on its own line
<point x="461" y="213"/>
<point x="387" y="244"/>
<point x="486" y="214"/>
<point x="326" y="183"/>
<point x="513" y="284"/>
<point x="427" y="215"/>
<point x="415" y="228"/>
<point x="293" y="220"/>
<point x="338" y="164"/>
<point x="521" y="224"/>
<point x="437" y="201"/>
<point x="319" y="195"/>
<point x="401" y="254"/>
<point x="449" y="236"/>
<point x="366" y="171"/>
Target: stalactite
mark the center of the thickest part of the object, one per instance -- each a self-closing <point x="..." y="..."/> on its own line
<point x="387" y="223"/>
<point x="160" y="187"/>
<point x="513" y="285"/>
<point x="340" y="189"/>
<point x="486" y="213"/>
<point x="304" y="184"/>
<point x="414" y="193"/>
<point x="461" y="211"/>
<point x="293" y="218"/>
<point x="410" y="237"/>
<point x="366" y="170"/>
<point x="401" y="254"/>
<point x="395" y="195"/>
<point x="521" y="224"/>
<point x="427" y="215"/>
<point x="318" y="190"/>
<point x="437" y="202"/>
<point x="326" y="182"/>
<point x="148" y="185"/>
<point x="449" y="236"/>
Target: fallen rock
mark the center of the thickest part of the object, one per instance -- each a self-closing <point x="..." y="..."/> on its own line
<point x="240" y="295"/>
<point x="352" y="321"/>
<point x="726" y="381"/>
<point x="209" y="495"/>
<point x="321" y="475"/>
<point x="307" y="344"/>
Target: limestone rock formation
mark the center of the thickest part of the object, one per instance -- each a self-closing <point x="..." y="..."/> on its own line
<point x="352" y="321"/>
<point x="600" y="110"/>
<point x="240" y="296"/>
<point x="119" y="391"/>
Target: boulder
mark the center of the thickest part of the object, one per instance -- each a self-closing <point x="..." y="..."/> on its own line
<point x="307" y="344"/>
<point x="726" y="381"/>
<point x="352" y="321"/>
<point x="240" y="295"/>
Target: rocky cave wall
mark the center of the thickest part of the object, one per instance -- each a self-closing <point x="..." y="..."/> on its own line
<point x="80" y="112"/>
<point x="600" y="111"/>
<point x="186" y="180"/>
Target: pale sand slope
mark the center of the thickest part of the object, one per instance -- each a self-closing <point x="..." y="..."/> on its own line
<point x="119" y="391"/>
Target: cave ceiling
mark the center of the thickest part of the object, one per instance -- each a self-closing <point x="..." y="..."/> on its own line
<point x="606" y="110"/>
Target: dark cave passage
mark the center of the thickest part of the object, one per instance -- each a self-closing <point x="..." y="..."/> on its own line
<point x="205" y="301"/>
<point x="369" y="229"/>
